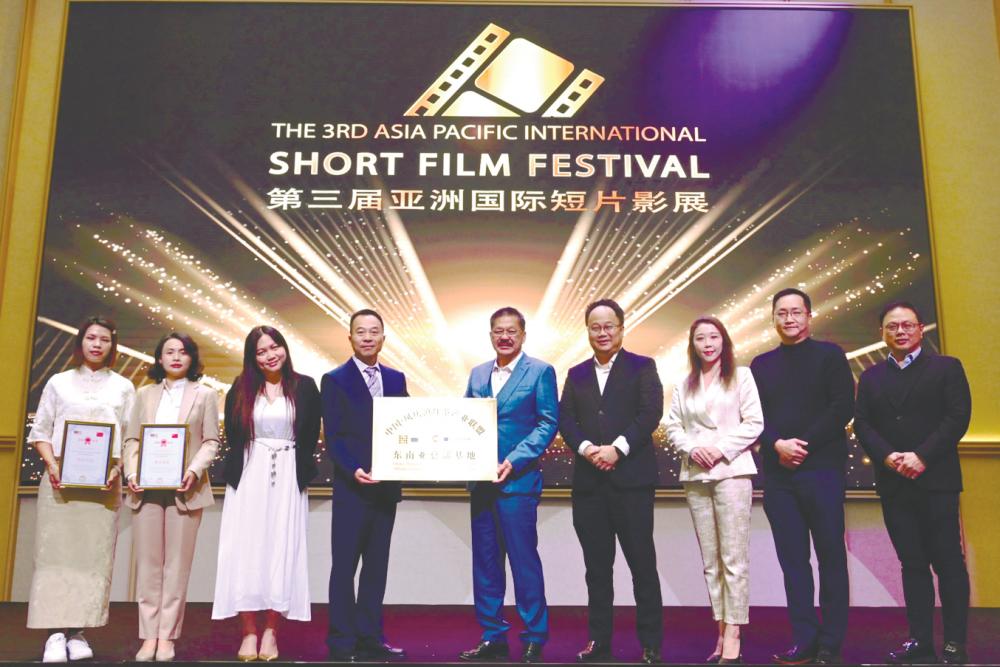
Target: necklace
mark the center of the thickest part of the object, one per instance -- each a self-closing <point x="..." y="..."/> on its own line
<point x="272" y="391"/>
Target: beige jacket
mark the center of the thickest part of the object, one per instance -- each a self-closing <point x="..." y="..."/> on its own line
<point x="200" y="411"/>
<point x="730" y="419"/>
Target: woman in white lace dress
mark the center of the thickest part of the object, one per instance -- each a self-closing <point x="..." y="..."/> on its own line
<point x="76" y="528"/>
<point x="272" y="426"/>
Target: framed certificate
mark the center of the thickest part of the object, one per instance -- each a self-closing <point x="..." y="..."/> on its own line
<point x="162" y="454"/>
<point x="86" y="454"/>
<point x="434" y="439"/>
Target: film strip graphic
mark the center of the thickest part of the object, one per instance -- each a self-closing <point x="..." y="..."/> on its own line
<point x="459" y="72"/>
<point x="573" y="97"/>
<point x="503" y="66"/>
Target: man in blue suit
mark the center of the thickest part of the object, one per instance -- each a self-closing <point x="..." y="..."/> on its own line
<point x="364" y="509"/>
<point x="505" y="513"/>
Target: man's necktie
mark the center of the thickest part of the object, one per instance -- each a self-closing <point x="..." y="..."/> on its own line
<point x="372" y="381"/>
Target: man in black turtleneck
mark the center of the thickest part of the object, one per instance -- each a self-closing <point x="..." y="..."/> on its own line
<point x="912" y="412"/>
<point x="807" y="394"/>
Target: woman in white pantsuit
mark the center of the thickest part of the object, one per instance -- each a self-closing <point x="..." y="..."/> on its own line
<point x="715" y="418"/>
<point x="165" y="521"/>
<point x="76" y="529"/>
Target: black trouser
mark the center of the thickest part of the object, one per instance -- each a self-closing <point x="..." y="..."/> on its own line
<point x="598" y="517"/>
<point x="924" y="529"/>
<point x="811" y="503"/>
<point x="361" y="530"/>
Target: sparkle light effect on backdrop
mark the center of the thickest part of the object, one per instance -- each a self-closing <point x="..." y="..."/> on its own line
<point x="344" y="261"/>
<point x="161" y="211"/>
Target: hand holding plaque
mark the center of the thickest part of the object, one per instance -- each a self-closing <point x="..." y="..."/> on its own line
<point x="162" y="455"/>
<point x="434" y="439"/>
<point x="86" y="454"/>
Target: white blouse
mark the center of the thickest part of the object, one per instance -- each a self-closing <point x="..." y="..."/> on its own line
<point x="82" y="394"/>
<point x="169" y="409"/>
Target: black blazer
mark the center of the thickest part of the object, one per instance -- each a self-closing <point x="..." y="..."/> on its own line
<point x="929" y="419"/>
<point x="347" y="425"/>
<point x="632" y="405"/>
<point x="307" y="416"/>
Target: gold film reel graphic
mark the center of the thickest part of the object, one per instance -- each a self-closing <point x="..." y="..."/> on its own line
<point x="515" y="77"/>
<point x="570" y="100"/>
<point x="459" y="72"/>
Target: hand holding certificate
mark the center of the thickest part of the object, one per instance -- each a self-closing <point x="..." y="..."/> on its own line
<point x="162" y="454"/>
<point x="86" y="454"/>
<point x="434" y="439"/>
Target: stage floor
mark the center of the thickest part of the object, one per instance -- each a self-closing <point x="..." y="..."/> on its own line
<point x="436" y="634"/>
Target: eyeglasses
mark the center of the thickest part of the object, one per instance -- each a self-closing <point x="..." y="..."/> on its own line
<point x="596" y="329"/>
<point x="796" y="314"/>
<point x="907" y="327"/>
<point x="496" y="333"/>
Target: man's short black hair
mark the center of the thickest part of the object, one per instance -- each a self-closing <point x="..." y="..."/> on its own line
<point x="788" y="291"/>
<point x="893" y="305"/>
<point x="508" y="310"/>
<point x="607" y="303"/>
<point x="362" y="312"/>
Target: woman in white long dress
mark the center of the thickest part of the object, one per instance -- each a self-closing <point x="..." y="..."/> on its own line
<point x="272" y="427"/>
<point x="715" y="417"/>
<point x="76" y="528"/>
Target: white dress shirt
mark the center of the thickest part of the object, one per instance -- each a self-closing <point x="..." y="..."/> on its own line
<point x="169" y="409"/>
<point x="603" y="372"/>
<point x="500" y="374"/>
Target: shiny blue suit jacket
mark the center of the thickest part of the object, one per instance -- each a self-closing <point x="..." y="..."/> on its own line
<point x="527" y="418"/>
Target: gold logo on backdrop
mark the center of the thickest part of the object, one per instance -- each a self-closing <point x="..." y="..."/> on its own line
<point x="514" y="78"/>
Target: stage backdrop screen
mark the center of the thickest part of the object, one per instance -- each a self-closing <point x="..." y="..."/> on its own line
<point x="223" y="165"/>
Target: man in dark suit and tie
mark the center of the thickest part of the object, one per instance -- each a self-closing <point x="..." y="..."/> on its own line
<point x="610" y="406"/>
<point x="505" y="513"/>
<point x="911" y="413"/>
<point x="364" y="509"/>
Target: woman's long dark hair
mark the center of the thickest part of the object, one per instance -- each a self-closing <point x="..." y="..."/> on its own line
<point x="726" y="356"/>
<point x="250" y="383"/>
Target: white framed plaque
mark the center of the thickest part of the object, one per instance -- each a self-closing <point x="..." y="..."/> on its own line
<point x="434" y="439"/>
<point x="162" y="454"/>
<point x="86" y="454"/>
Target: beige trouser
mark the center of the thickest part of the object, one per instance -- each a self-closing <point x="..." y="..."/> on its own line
<point x="164" y="539"/>
<point x="721" y="514"/>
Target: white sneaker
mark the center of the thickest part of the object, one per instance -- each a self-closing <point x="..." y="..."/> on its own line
<point x="78" y="648"/>
<point x="55" y="648"/>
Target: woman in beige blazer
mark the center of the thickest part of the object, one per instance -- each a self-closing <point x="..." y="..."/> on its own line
<point x="715" y="418"/>
<point x="165" y="522"/>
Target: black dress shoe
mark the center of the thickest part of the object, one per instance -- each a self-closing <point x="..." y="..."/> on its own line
<point x="380" y="650"/>
<point x="797" y="655"/>
<point x="828" y="656"/>
<point x="487" y="650"/>
<point x="651" y="656"/>
<point x="594" y="651"/>
<point x="954" y="653"/>
<point x="532" y="652"/>
<point x="912" y="652"/>
<point x="341" y="655"/>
